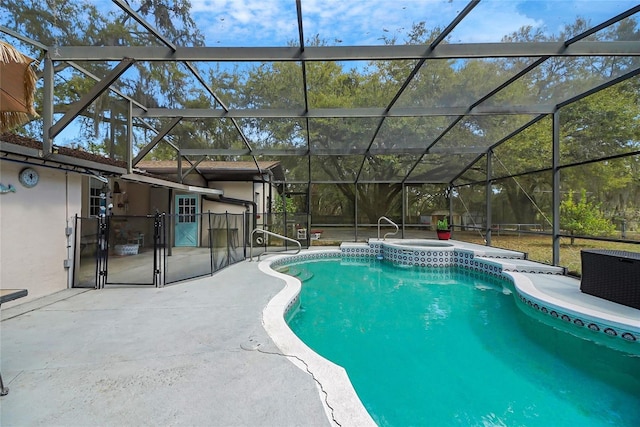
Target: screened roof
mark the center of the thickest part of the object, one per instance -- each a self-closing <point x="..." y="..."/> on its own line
<point x="414" y="91"/>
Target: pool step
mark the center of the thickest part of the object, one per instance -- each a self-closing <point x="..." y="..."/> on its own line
<point x="302" y="275"/>
<point x="526" y="266"/>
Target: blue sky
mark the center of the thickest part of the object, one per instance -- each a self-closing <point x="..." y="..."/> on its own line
<point x="364" y="22"/>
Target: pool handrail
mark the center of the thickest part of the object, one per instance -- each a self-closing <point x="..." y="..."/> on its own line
<point x="389" y="233"/>
<point x="259" y="230"/>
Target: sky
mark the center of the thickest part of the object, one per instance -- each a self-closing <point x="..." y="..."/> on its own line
<point x="237" y="23"/>
<point x="367" y="22"/>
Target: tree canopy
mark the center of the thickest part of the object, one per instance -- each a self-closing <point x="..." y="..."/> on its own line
<point x="398" y="149"/>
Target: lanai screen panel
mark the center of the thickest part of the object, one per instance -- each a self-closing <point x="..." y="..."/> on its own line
<point x="476" y="172"/>
<point x="523" y="202"/>
<point x="66" y="19"/>
<point x="403" y="135"/>
<point x="331" y="205"/>
<point x="140" y="83"/>
<point x="348" y="135"/>
<point x="435" y="85"/>
<point x="353" y="84"/>
<point x="528" y="151"/>
<point x="296" y="169"/>
<point x="475" y="134"/>
<point x="387" y="168"/>
<point x="459" y="82"/>
<point x="343" y="168"/>
<point x="243" y="23"/>
<point x="603" y="124"/>
<point x="612" y="183"/>
<point x="207" y="133"/>
<point x="287" y="135"/>
<point x="263" y="85"/>
<point x="439" y="168"/>
<point x="560" y="79"/>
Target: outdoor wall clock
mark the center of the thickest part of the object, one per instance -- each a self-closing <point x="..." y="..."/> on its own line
<point x="29" y="177"/>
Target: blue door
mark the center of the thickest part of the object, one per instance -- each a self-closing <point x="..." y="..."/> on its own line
<point x="186" y="220"/>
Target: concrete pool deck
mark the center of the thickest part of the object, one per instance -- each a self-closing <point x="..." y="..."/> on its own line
<point x="193" y="353"/>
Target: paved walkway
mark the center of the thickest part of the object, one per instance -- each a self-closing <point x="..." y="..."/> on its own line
<point x="193" y="353"/>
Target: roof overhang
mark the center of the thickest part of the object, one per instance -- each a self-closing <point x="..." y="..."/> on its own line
<point x="35" y="156"/>
<point x="144" y="179"/>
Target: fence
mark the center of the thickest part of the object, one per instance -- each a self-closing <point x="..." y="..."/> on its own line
<point x="141" y="250"/>
<point x="156" y="250"/>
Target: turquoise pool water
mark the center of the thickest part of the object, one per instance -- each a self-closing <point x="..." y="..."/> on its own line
<point x="444" y="346"/>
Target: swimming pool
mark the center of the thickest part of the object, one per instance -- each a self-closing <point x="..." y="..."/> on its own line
<point x="483" y="362"/>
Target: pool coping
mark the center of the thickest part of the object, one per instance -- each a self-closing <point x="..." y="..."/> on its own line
<point x="341" y="402"/>
<point x="594" y="313"/>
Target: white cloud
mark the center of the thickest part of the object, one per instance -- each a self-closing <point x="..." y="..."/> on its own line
<point x="246" y="22"/>
<point x="490" y="21"/>
<point x="361" y="22"/>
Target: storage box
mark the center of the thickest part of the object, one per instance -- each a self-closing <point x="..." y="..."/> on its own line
<point x="612" y="275"/>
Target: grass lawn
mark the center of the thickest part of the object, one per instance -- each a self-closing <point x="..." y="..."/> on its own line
<point x="540" y="248"/>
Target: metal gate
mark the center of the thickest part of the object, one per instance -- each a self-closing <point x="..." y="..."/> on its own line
<point x="123" y="250"/>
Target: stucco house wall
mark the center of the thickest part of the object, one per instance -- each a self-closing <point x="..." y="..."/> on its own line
<point x="234" y="190"/>
<point x="33" y="242"/>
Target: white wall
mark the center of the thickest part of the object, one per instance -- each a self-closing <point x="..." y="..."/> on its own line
<point x="244" y="190"/>
<point x="234" y="190"/>
<point x="33" y="244"/>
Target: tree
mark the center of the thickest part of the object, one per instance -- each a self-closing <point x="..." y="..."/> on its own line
<point x="283" y="204"/>
<point x="71" y="23"/>
<point x="583" y="218"/>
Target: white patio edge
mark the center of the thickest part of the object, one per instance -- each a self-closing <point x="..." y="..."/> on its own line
<point x="340" y="400"/>
<point x="529" y="288"/>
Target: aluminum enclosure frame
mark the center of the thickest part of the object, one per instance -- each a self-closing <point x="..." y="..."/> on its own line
<point x="577" y="46"/>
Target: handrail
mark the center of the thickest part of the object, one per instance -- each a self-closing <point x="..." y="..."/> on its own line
<point x="259" y="230"/>
<point x="390" y="222"/>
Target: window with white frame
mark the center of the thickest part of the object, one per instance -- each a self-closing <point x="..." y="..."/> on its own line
<point x="95" y="188"/>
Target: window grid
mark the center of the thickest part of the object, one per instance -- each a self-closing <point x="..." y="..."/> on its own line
<point x="187" y="210"/>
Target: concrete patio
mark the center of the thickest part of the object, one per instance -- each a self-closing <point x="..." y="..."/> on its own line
<point x="193" y="353"/>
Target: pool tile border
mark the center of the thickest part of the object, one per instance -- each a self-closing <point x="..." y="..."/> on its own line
<point x="496" y="267"/>
<point x="536" y="301"/>
<point x="577" y="319"/>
